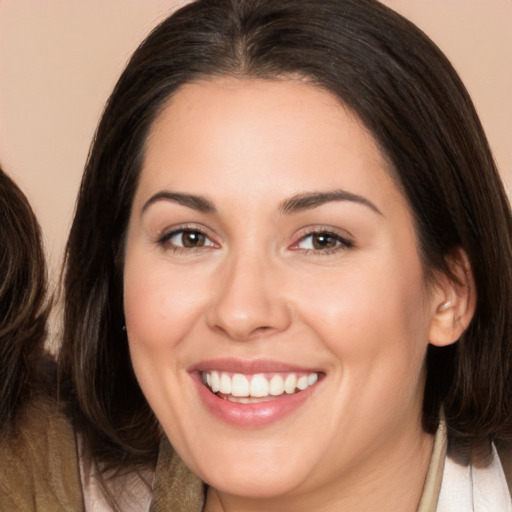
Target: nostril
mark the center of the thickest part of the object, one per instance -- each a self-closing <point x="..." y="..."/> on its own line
<point x="242" y="334"/>
<point x="244" y="308"/>
<point x="262" y="329"/>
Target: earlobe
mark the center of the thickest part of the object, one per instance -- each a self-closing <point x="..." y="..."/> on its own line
<point x="453" y="300"/>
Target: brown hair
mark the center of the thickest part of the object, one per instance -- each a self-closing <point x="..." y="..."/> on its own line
<point x="23" y="309"/>
<point x="410" y="98"/>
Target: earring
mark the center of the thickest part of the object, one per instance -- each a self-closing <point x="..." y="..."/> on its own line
<point x="445" y="305"/>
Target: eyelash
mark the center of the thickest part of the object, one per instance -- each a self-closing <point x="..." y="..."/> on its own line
<point x="341" y="243"/>
<point x="165" y="239"/>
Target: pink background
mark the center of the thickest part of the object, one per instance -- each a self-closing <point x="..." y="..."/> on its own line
<point x="59" y="59"/>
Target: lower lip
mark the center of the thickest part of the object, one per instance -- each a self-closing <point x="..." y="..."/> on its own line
<point x="251" y="415"/>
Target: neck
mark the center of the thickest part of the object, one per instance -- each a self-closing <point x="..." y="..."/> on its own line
<point x="392" y="480"/>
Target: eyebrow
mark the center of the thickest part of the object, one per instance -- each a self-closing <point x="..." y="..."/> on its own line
<point x="297" y="203"/>
<point x="198" y="203"/>
<point x="310" y="200"/>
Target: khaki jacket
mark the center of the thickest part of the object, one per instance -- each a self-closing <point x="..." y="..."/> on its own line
<point x="39" y="469"/>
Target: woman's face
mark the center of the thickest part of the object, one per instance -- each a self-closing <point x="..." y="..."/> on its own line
<point x="275" y="304"/>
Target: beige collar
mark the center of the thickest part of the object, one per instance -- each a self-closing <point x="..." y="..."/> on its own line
<point x="433" y="481"/>
<point x="176" y="488"/>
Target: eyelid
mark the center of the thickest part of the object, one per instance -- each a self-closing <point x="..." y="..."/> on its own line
<point x="166" y="234"/>
<point x="346" y="239"/>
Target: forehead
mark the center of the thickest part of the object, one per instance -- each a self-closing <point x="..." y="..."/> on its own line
<point x="231" y="135"/>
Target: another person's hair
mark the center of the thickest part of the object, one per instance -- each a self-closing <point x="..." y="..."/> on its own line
<point x="410" y="98"/>
<point x="23" y="306"/>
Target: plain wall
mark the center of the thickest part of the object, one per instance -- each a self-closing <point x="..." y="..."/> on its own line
<point x="59" y="59"/>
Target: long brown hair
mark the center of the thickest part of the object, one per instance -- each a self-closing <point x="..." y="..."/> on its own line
<point x="408" y="95"/>
<point x="23" y="307"/>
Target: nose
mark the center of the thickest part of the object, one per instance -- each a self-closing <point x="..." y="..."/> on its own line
<point x="249" y="300"/>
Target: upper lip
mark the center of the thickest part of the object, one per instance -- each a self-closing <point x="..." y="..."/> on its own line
<point x="249" y="366"/>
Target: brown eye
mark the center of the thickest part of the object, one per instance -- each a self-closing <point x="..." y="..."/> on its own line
<point x="322" y="241"/>
<point x="186" y="239"/>
<point x="192" y="239"/>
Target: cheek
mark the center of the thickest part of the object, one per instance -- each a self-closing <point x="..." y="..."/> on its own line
<point x="160" y="306"/>
<point x="369" y="310"/>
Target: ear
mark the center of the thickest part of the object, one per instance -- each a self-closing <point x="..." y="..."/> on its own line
<point x="453" y="300"/>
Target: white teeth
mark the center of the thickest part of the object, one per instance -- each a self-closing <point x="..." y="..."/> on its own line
<point x="215" y="382"/>
<point x="276" y="385"/>
<point x="302" y="382"/>
<point x="240" y="385"/>
<point x="240" y="399"/>
<point x="225" y="384"/>
<point x="290" y="383"/>
<point x="257" y="386"/>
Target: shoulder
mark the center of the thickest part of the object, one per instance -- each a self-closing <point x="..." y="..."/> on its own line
<point x="505" y="454"/>
<point x="175" y="486"/>
<point x="474" y="485"/>
<point x="39" y="462"/>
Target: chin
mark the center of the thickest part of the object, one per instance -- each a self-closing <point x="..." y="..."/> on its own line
<point x="254" y="480"/>
<point x="255" y="486"/>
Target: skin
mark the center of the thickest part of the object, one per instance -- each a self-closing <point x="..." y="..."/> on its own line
<point x="256" y="288"/>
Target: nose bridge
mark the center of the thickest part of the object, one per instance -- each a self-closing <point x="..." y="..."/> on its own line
<point x="248" y="301"/>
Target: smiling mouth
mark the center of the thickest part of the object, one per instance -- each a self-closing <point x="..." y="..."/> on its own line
<point x="259" y="387"/>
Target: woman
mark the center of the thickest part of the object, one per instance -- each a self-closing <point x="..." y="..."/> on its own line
<point x="27" y="373"/>
<point x="22" y="299"/>
<point x="288" y="277"/>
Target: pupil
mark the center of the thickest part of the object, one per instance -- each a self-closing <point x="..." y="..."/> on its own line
<point x="193" y="239"/>
<point x="323" y="242"/>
